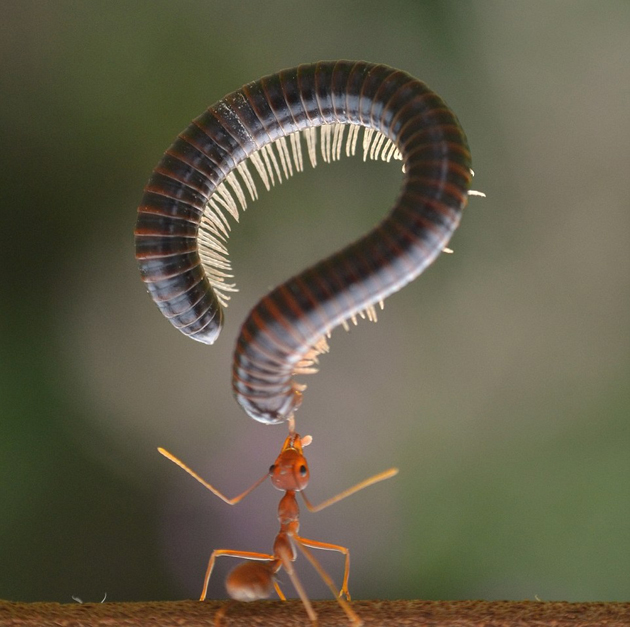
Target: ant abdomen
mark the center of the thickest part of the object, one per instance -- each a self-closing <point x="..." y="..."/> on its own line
<point x="251" y="581"/>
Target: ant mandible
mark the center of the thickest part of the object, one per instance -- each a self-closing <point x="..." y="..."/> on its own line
<point x="256" y="578"/>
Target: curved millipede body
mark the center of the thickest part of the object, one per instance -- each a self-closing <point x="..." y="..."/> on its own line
<point x="182" y="226"/>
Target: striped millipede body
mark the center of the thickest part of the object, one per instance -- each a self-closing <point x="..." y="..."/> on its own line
<point x="182" y="226"/>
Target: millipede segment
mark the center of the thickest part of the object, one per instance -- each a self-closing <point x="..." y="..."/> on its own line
<point x="273" y="166"/>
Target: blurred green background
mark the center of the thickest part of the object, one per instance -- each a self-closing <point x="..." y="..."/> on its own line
<point x="497" y="382"/>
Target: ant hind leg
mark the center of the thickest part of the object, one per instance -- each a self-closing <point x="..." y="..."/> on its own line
<point x="287" y="563"/>
<point x="304" y="545"/>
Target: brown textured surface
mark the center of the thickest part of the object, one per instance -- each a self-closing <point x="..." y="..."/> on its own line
<point x="374" y="613"/>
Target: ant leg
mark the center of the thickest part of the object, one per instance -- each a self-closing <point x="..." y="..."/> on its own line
<point x="327" y="546"/>
<point x="205" y="484"/>
<point x="279" y="591"/>
<point x="248" y="555"/>
<point x="381" y="476"/>
<point x="303" y="544"/>
<point x="221" y="612"/>
<point x="287" y="562"/>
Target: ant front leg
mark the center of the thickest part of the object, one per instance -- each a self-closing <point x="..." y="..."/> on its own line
<point x="205" y="484"/>
<point x="381" y="476"/>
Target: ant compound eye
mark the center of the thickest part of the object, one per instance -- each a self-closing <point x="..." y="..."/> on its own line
<point x="303" y="470"/>
<point x="272" y="468"/>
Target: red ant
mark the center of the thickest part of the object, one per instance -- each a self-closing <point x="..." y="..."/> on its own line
<point x="256" y="579"/>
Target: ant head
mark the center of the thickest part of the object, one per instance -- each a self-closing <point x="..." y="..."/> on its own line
<point x="290" y="470"/>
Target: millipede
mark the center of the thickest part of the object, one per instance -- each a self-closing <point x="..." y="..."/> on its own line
<point x="259" y="135"/>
